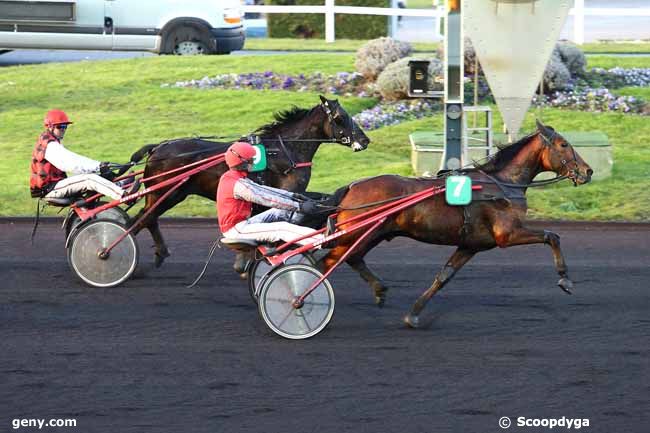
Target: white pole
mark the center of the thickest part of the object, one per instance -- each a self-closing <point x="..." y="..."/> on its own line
<point x="579" y="22"/>
<point x="393" y="20"/>
<point x="329" y="21"/>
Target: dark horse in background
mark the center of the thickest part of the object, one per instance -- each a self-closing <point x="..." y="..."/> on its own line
<point x="292" y="139"/>
<point x="494" y="218"/>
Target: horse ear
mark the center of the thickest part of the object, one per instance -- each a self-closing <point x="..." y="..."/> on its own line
<point x="540" y="126"/>
<point x="323" y="99"/>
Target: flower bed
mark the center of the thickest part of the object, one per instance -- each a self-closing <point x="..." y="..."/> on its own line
<point x="590" y="92"/>
<point x="619" y="77"/>
<point x="392" y="113"/>
<point x="588" y="99"/>
<point x="343" y="83"/>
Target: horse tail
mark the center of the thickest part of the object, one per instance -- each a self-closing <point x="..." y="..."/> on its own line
<point x="338" y="196"/>
<point x="143" y="151"/>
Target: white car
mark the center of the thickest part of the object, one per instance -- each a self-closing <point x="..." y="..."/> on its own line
<point x="160" y="26"/>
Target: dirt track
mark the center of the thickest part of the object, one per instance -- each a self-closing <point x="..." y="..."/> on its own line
<point x="504" y="341"/>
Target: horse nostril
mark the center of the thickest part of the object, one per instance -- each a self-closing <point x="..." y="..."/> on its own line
<point x="590" y="172"/>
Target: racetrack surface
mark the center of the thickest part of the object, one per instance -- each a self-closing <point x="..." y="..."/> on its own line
<point x="153" y="355"/>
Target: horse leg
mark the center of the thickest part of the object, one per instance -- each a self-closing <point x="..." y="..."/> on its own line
<point x="357" y="263"/>
<point x="455" y="262"/>
<point x="242" y="261"/>
<point x="151" y="223"/>
<point x="524" y="236"/>
<point x="380" y="289"/>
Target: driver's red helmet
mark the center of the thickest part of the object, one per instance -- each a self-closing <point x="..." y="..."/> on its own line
<point x="240" y="153"/>
<point x="56" y="117"/>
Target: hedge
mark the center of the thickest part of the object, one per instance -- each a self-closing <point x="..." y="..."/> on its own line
<point x="313" y="25"/>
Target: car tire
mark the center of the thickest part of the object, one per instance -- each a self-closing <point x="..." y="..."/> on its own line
<point x="188" y="39"/>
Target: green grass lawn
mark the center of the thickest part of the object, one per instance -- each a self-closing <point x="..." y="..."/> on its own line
<point x="343" y="45"/>
<point x="617" y="47"/>
<point x="419" y="4"/>
<point x="637" y="92"/>
<point x="352" y="45"/>
<point x="119" y="106"/>
<point x="609" y="62"/>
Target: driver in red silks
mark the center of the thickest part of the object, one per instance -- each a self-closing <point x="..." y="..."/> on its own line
<point x="237" y="193"/>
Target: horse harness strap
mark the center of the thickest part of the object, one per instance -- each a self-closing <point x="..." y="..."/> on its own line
<point x="508" y="193"/>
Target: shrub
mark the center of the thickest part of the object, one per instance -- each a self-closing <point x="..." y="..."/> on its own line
<point x="470" y="58"/>
<point x="572" y="57"/>
<point x="556" y="75"/>
<point x="393" y="82"/>
<point x="375" y="55"/>
<point x="313" y="25"/>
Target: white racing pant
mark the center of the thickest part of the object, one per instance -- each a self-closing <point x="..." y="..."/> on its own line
<point x="272" y="232"/>
<point x="81" y="183"/>
<point x="267" y="232"/>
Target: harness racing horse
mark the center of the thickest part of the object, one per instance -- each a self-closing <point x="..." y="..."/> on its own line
<point x="494" y="218"/>
<point x="292" y="141"/>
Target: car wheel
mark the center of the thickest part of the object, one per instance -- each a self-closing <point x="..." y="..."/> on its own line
<point x="189" y="48"/>
<point x="188" y="41"/>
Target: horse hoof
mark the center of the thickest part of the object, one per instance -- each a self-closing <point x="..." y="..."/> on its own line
<point x="158" y="260"/>
<point x="565" y="284"/>
<point x="241" y="265"/>
<point x="380" y="301"/>
<point x="412" y="321"/>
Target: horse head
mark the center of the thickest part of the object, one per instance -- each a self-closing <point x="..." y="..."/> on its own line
<point x="560" y="157"/>
<point x="341" y="127"/>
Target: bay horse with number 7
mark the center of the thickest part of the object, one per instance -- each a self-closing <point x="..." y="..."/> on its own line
<point x="494" y="217"/>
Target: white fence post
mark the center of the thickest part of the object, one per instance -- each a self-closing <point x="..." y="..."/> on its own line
<point x="329" y="21"/>
<point x="579" y="22"/>
<point x="393" y="20"/>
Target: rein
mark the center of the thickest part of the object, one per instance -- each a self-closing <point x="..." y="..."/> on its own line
<point x="533" y="184"/>
<point x="252" y="139"/>
<point x="492" y="181"/>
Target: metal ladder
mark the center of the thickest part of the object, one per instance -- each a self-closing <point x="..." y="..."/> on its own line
<point x="486" y="140"/>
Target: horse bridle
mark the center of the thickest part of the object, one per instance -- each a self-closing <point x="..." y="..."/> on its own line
<point x="339" y="137"/>
<point x="571" y="173"/>
<point x="338" y="131"/>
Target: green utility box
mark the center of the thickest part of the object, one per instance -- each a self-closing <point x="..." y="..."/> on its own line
<point x="428" y="147"/>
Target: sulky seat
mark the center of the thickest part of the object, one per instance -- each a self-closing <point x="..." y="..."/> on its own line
<point x="239" y="244"/>
<point x="60" y="202"/>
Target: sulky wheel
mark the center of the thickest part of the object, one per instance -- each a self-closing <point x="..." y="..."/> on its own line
<point x="278" y="308"/>
<point x="260" y="268"/>
<point x="87" y="262"/>
<point x="116" y="214"/>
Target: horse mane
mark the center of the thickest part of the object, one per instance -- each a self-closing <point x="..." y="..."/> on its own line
<point x="505" y="154"/>
<point x="283" y="118"/>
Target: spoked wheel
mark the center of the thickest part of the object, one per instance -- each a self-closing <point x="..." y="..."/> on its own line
<point x="260" y="269"/>
<point x="90" y="265"/>
<point x="277" y="302"/>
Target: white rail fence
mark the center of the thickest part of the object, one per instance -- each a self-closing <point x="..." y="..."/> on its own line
<point x="579" y="12"/>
